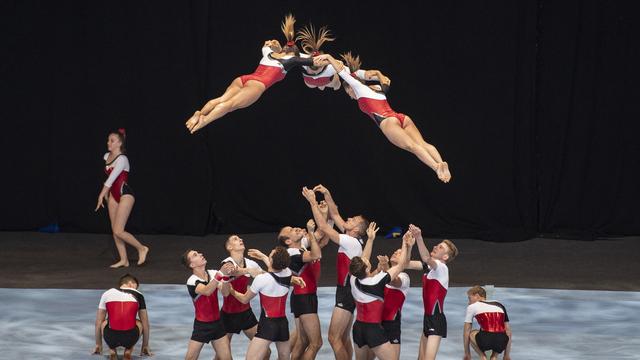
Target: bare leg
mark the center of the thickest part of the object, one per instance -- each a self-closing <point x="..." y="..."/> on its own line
<point x="362" y="353"/>
<point x="232" y="89"/>
<point x="310" y="335"/>
<point x="122" y="215"/>
<point x="296" y="340"/>
<point x="432" y="345"/>
<point x="346" y="338"/>
<point x="250" y="93"/>
<point x="396" y="350"/>
<point x="340" y="321"/>
<point x="423" y="347"/>
<point x="193" y="350"/>
<point x="222" y="348"/>
<point x="250" y="333"/>
<point x="120" y="246"/>
<point x="257" y="348"/>
<point x="385" y="352"/>
<point x="284" y="350"/>
<point x="393" y="131"/>
<point x="411" y="128"/>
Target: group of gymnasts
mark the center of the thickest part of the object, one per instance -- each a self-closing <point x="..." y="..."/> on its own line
<point x="376" y="295"/>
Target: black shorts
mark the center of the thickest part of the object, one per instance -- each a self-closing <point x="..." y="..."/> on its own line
<point x="344" y="298"/>
<point x="124" y="338"/>
<point x="273" y="329"/>
<point x="368" y="334"/>
<point x="304" y="304"/>
<point x="492" y="341"/>
<point x="392" y="330"/>
<point x="127" y="190"/>
<point x="236" y="322"/>
<point x="434" y="325"/>
<point x="205" y="332"/>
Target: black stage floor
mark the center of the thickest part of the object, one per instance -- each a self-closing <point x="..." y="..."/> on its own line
<point x="80" y="261"/>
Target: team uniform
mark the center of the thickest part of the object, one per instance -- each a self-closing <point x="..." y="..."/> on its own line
<point x="391" y="312"/>
<point x="325" y="78"/>
<point x="368" y="294"/>
<point x="491" y="316"/>
<point x="122" y="306"/>
<point x="271" y="70"/>
<point x="235" y="315"/>
<point x="349" y="247"/>
<point x="372" y="103"/>
<point x="207" y="325"/>
<point x="117" y="175"/>
<point x="435" y="283"/>
<point x="304" y="300"/>
<point x="273" y="289"/>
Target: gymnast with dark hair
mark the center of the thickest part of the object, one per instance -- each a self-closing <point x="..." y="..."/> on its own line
<point x="397" y="127"/>
<point x="246" y="89"/>
<point x="120" y="198"/>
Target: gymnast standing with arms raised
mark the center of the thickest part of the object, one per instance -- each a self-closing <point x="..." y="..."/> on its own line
<point x="120" y="198"/>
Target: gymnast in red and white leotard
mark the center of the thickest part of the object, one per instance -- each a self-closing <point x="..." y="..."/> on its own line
<point x="246" y="89"/>
<point x="317" y="76"/>
<point x="397" y="127"/>
<point x="120" y="198"/>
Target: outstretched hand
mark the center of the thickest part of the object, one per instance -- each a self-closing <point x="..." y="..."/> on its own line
<point x="309" y="195"/>
<point x="256" y="254"/>
<point x="145" y="351"/>
<point x="408" y="239"/>
<point x="311" y="226"/>
<point x="415" y="231"/>
<point x="321" y="189"/>
<point x="372" y="230"/>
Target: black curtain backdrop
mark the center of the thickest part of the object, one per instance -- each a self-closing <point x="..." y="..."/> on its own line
<point x="530" y="102"/>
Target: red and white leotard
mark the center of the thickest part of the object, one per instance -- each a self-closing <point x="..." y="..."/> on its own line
<point x="394" y="298"/>
<point x="368" y="294"/>
<point x="371" y="102"/>
<point x="122" y="306"/>
<point x="118" y="173"/>
<point x="273" y="289"/>
<point x="435" y="283"/>
<point x="230" y="304"/>
<point x="325" y="78"/>
<point x="490" y="315"/>
<point x="349" y="247"/>
<point x="206" y="307"/>
<point x="271" y="70"/>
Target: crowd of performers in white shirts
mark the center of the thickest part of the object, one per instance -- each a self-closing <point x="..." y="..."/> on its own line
<point x="291" y="272"/>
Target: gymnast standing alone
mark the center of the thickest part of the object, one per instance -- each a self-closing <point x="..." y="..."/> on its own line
<point x="119" y="197"/>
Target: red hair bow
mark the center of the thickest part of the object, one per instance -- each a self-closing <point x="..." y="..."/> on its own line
<point x="290" y="43"/>
<point x="122" y="132"/>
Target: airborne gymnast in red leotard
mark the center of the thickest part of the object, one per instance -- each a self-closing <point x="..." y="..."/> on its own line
<point x="397" y="127"/>
<point x="247" y="89"/>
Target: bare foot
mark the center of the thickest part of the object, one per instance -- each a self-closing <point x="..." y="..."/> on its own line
<point x="445" y="171"/>
<point x="199" y="124"/>
<point x="440" y="172"/>
<point x="113" y="355"/>
<point x="193" y="120"/>
<point x="142" y="256"/>
<point x="120" y="264"/>
<point x="127" y="354"/>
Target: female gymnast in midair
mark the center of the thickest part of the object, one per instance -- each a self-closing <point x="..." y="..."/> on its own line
<point x="120" y="199"/>
<point x="397" y="127"/>
<point x="317" y="76"/>
<point x="246" y="89"/>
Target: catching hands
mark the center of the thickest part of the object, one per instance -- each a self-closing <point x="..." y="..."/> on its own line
<point x="383" y="262"/>
<point x="372" y="230"/>
<point x="295" y="280"/>
<point x="310" y="195"/>
<point x="311" y="226"/>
